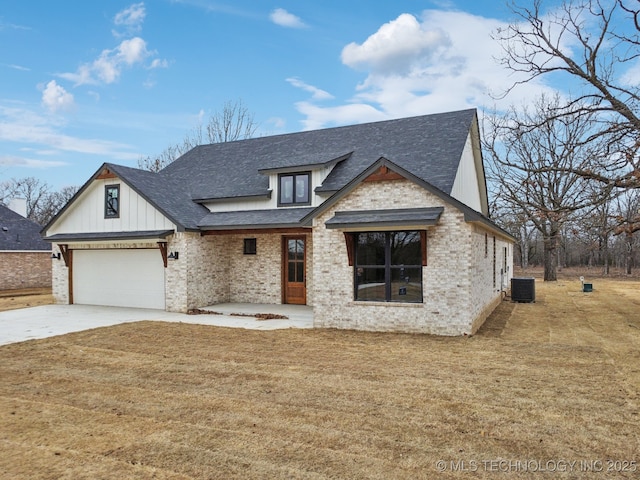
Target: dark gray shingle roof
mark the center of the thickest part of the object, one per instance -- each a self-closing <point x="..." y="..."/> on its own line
<point x="385" y="218"/>
<point x="19" y="233"/>
<point x="91" y="236"/>
<point x="280" y="218"/>
<point x="428" y="146"/>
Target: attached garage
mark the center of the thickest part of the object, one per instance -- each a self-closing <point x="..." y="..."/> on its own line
<point x="119" y="278"/>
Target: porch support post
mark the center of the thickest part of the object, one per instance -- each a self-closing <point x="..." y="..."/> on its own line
<point x="163" y="251"/>
<point x="66" y="255"/>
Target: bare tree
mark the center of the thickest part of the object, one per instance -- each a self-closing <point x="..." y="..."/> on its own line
<point x="42" y="202"/>
<point x="232" y="122"/>
<point x="34" y="191"/>
<point x="595" y="42"/>
<point x="627" y="223"/>
<point x="52" y="204"/>
<point x="530" y="167"/>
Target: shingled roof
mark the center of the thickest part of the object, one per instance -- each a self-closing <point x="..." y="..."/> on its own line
<point x="19" y="233"/>
<point x="429" y="146"/>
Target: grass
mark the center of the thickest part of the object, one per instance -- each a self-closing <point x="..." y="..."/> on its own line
<point x="556" y="380"/>
<point x="26" y="297"/>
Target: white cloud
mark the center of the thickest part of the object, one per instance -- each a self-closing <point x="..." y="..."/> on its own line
<point x="277" y="122"/>
<point x="20" y="125"/>
<point x="15" y="161"/>
<point x="285" y="19"/>
<point x="108" y="66"/>
<point x="131" y="19"/>
<point x="132" y="51"/>
<point x="317" y="94"/>
<point x="55" y="98"/>
<point x="396" y="46"/>
<point x="18" y="67"/>
<point x="441" y="61"/>
<point x="319" y="117"/>
<point x="159" y="63"/>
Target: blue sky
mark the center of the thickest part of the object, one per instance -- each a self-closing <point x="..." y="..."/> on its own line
<point x="86" y="82"/>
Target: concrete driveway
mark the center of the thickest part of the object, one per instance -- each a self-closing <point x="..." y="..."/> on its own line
<point x="50" y="320"/>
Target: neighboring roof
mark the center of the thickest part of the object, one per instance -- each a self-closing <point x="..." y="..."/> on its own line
<point x="93" y="236"/>
<point x="280" y="218"/>
<point x="385" y="218"/>
<point x="429" y="146"/>
<point x="19" y="233"/>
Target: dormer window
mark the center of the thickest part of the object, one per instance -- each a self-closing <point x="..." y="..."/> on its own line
<point x="112" y="201"/>
<point x="294" y="189"/>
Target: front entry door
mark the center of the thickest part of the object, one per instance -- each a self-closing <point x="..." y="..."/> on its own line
<point x="294" y="269"/>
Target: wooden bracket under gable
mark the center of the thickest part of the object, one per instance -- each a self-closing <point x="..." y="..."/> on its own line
<point x="106" y="174"/>
<point x="383" y="174"/>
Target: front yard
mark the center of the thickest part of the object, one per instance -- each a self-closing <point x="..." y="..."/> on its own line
<point x="545" y="390"/>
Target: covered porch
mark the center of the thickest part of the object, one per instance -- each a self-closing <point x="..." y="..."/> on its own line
<point x="265" y="258"/>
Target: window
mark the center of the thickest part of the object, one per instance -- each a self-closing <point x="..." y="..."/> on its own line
<point x="112" y="201"/>
<point x="388" y="266"/>
<point x="250" y="246"/>
<point x="294" y="189"/>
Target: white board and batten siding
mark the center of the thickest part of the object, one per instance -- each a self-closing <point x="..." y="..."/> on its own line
<point x="87" y="213"/>
<point x="466" y="186"/>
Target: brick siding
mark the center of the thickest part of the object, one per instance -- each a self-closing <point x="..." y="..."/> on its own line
<point x="25" y="270"/>
<point x="456" y="293"/>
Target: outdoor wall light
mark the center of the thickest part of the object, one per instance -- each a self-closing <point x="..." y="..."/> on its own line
<point x="55" y="256"/>
<point x="173" y="256"/>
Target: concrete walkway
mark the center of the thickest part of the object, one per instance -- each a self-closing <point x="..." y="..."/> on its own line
<point x="50" y="320"/>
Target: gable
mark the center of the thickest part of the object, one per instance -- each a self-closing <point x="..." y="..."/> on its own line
<point x="386" y="173"/>
<point x="86" y="212"/>
<point x="467" y="184"/>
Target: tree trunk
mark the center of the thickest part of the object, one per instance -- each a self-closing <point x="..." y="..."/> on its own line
<point x="605" y="250"/>
<point x="629" y="252"/>
<point x="551" y="257"/>
<point x="524" y="248"/>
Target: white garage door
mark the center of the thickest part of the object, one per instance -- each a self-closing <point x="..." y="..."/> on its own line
<point x="120" y="278"/>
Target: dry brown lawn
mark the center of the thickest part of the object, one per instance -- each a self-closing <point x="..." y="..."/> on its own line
<point x="27" y="297"/>
<point x="541" y="384"/>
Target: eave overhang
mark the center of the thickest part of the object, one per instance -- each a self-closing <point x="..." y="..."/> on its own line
<point x="306" y="166"/>
<point x="384" y="219"/>
<point x="108" y="236"/>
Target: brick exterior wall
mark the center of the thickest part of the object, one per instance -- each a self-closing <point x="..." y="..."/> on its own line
<point x="456" y="293"/>
<point x="213" y="269"/>
<point x="60" y="279"/>
<point x="25" y="270"/>
<point x="458" y="282"/>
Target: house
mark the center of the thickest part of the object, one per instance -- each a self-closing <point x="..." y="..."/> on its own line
<point x="24" y="256"/>
<point x="381" y="226"/>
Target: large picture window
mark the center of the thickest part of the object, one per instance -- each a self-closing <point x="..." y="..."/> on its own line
<point x="294" y="189"/>
<point x="388" y="266"/>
